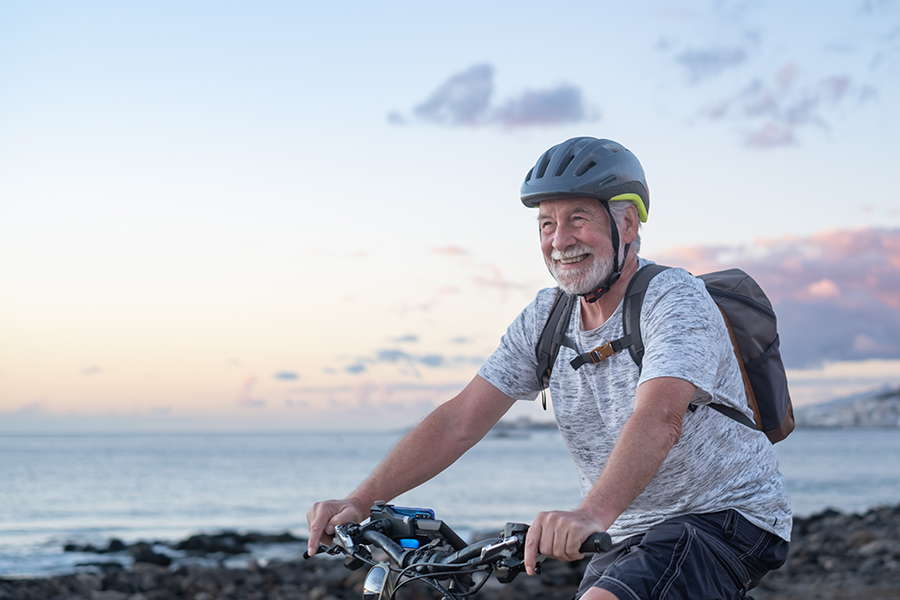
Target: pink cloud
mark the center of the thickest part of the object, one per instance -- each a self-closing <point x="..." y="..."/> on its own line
<point x="245" y="396"/>
<point x="778" y="107"/>
<point x="449" y="251"/>
<point x="836" y="293"/>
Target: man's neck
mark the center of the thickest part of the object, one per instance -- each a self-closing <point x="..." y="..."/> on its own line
<point x="595" y="314"/>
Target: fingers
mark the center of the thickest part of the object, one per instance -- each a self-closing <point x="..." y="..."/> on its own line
<point x="323" y="517"/>
<point x="557" y="534"/>
<point x="317" y="517"/>
<point x="532" y="545"/>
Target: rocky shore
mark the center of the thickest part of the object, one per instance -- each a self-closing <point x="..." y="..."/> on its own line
<point x="833" y="557"/>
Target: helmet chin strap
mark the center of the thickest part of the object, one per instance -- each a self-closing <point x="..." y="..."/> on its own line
<point x="617" y="270"/>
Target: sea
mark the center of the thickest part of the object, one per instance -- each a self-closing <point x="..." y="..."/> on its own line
<point x="90" y="488"/>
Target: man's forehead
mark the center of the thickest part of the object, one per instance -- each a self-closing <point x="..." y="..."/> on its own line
<point x="568" y="205"/>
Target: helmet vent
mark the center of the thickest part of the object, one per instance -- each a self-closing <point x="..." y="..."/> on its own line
<point x="565" y="165"/>
<point x="614" y="147"/>
<point x="606" y="180"/>
<point x="542" y="165"/>
<point x="585" y="168"/>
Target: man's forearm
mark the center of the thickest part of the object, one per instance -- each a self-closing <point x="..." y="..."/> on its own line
<point x="643" y="445"/>
<point x="426" y="451"/>
<point x="436" y="443"/>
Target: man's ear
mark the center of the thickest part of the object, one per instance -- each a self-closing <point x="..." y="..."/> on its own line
<point x="630" y="224"/>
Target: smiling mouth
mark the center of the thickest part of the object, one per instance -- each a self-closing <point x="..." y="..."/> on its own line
<point x="573" y="259"/>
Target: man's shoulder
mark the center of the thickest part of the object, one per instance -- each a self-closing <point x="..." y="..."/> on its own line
<point x="536" y="313"/>
<point x="544" y="300"/>
<point x="671" y="278"/>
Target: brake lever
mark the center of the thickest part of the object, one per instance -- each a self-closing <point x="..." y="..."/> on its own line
<point x="343" y="539"/>
<point x="498" y="547"/>
<point x="322" y="548"/>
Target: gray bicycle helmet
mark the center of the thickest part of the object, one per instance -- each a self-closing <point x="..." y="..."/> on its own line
<point x="585" y="167"/>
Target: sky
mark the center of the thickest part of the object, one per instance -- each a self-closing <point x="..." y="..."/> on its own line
<point x="302" y="216"/>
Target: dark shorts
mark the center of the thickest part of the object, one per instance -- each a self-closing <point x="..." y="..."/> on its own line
<point x="718" y="555"/>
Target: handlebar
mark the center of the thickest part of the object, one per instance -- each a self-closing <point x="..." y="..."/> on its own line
<point x="597" y="542"/>
<point x="420" y="547"/>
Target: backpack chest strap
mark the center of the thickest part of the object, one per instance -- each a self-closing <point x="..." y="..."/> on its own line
<point x="631" y="322"/>
<point x="601" y="353"/>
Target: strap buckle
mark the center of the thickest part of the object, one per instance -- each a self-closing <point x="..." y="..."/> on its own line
<point x="601" y="353"/>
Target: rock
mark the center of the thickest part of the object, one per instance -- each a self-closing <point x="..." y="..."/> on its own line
<point x="861" y="538"/>
<point x="144" y="553"/>
<point x="875" y="547"/>
<point x="225" y="543"/>
<point x="834" y="556"/>
<point x="108" y="595"/>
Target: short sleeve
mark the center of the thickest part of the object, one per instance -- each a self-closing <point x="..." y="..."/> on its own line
<point x="680" y="327"/>
<point x="512" y="368"/>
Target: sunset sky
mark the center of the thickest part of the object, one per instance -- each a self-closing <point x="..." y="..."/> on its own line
<point x="297" y="215"/>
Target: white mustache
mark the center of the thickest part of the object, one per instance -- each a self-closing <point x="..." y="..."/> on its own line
<point x="573" y="252"/>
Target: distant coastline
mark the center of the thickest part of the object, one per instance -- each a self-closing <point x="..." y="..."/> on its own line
<point x="879" y="408"/>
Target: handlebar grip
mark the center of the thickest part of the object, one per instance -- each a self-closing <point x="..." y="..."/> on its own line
<point x="597" y="542"/>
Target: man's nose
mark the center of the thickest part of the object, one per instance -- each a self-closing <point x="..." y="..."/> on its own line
<point x="563" y="237"/>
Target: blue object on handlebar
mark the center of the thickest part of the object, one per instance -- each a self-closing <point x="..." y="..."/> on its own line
<point x="415" y="513"/>
<point x="409" y="543"/>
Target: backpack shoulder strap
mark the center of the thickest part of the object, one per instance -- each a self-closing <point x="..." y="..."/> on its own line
<point x="553" y="335"/>
<point x="631" y="310"/>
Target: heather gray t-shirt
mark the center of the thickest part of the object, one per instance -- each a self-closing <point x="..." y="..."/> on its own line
<point x="717" y="464"/>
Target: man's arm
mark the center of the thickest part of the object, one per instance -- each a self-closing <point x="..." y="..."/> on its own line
<point x="435" y="444"/>
<point x="645" y="441"/>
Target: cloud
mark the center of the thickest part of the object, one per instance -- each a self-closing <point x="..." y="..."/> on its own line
<point x="415" y="399"/>
<point x="449" y="251"/>
<point x="91" y="370"/>
<point x="31" y="408"/>
<point x="499" y="283"/>
<point x="778" y="107"/>
<point x="245" y="396"/>
<point x="835" y="293"/>
<point x="408" y="338"/>
<point x="461" y="100"/>
<point x="496" y="281"/>
<point x="409" y="363"/>
<point x="562" y="104"/>
<point x="737" y="67"/>
<point x="464" y="99"/>
<point x="286" y="375"/>
<point x="710" y="62"/>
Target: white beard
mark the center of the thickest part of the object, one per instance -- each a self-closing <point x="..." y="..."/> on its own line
<point x="583" y="280"/>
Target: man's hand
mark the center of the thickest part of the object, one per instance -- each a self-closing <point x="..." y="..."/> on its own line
<point x="324" y="516"/>
<point x="559" y="534"/>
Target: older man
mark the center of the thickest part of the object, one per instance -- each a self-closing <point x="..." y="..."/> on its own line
<point x="693" y="499"/>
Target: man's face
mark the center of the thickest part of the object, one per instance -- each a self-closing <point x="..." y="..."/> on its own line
<point x="575" y="240"/>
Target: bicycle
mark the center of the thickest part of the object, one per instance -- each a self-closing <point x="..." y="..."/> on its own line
<point x="415" y="546"/>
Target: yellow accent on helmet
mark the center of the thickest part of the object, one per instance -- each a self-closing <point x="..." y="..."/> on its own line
<point x="638" y="203"/>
